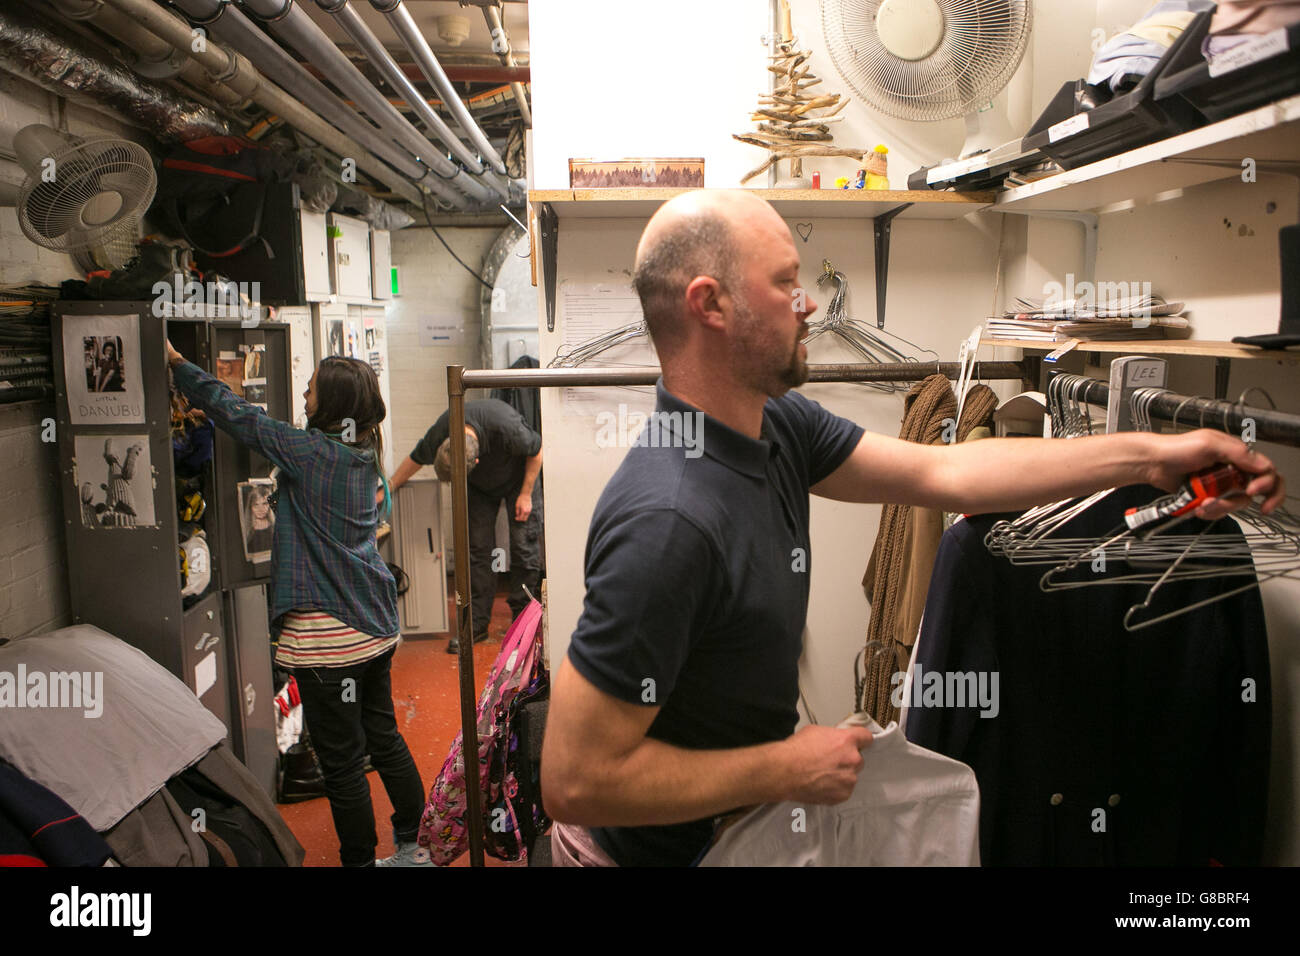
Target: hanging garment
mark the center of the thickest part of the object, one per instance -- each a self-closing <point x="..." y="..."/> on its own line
<point x="526" y="401"/>
<point x="911" y="807"/>
<point x="1099" y="747"/>
<point x="898" y="574"/>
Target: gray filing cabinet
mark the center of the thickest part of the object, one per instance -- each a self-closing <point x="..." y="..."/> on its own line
<point x="416" y="545"/>
<point x="205" y="657"/>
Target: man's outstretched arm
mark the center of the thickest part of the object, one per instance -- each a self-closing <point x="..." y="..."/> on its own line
<point x="600" y="769"/>
<point x="1006" y="474"/>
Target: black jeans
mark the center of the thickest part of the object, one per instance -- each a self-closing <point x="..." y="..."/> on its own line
<point x="526" y="547"/>
<point x="347" y="721"/>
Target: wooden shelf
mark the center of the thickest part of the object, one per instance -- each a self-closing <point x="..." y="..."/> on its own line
<point x="790" y="203"/>
<point x="1267" y="134"/>
<point x="1188" y="347"/>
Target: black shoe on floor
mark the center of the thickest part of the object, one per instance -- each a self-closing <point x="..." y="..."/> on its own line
<point x="453" y="646"/>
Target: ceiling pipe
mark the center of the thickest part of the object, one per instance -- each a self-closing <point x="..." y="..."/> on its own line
<point x="399" y="18"/>
<point x="147" y="53"/>
<point x="235" y="71"/>
<point x="361" y="35"/>
<point x="501" y="46"/>
<point x="232" y="28"/>
<point x="49" y="55"/>
<point x="289" y="23"/>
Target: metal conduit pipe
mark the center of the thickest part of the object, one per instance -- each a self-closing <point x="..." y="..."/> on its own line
<point x="361" y="35"/>
<point x="147" y="53"/>
<point x="235" y="30"/>
<point x="55" y="59"/>
<point x="240" y="76"/>
<point x="498" y="30"/>
<point x="399" y="18"/>
<point x="289" y="23"/>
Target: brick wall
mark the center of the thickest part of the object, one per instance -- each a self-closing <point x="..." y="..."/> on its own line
<point x="33" y="574"/>
<point x="33" y="571"/>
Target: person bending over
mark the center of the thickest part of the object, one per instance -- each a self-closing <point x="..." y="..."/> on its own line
<point x="505" y="460"/>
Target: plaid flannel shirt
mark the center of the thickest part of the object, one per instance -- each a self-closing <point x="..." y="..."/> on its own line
<point x="324" y="556"/>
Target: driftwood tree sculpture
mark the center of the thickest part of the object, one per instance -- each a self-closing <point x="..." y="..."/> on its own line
<point x="793" y="121"/>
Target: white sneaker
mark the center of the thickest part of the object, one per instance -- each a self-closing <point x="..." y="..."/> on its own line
<point x="408" y="854"/>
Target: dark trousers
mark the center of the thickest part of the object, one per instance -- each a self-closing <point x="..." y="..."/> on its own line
<point x="346" y="722"/>
<point x="526" y="544"/>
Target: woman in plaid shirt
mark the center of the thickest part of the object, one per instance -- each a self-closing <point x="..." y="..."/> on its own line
<point x="333" y="602"/>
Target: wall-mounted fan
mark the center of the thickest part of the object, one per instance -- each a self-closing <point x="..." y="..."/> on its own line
<point x="931" y="59"/>
<point x="80" y="193"/>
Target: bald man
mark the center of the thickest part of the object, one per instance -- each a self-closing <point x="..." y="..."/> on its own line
<point x="676" y="703"/>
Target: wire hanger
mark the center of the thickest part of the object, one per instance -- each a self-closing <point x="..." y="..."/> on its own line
<point x="862" y="339"/>
<point x="584" y="352"/>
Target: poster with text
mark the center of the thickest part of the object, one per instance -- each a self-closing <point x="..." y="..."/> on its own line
<point x="115" y="481"/>
<point x="101" y="365"/>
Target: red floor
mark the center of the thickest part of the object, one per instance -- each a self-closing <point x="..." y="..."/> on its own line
<point x="426" y="699"/>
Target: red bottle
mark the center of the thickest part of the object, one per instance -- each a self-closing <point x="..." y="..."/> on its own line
<point x="817" y="180"/>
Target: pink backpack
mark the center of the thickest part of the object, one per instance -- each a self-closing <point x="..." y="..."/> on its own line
<point x="518" y="674"/>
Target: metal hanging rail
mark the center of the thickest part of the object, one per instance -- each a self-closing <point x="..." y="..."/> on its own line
<point x="1270" y="425"/>
<point x="458" y="380"/>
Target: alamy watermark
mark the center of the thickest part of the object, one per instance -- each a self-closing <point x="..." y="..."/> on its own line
<point x="658" y="429"/>
<point x="195" y="300"/>
<point x="62" y="690"/>
<point x="947" y="689"/>
<point x="1117" y="300"/>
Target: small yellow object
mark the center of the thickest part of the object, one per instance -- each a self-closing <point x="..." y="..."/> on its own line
<point x="877" y="168"/>
<point x="842" y="182"/>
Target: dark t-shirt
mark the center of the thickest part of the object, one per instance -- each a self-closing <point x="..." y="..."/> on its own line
<point x="504" y="441"/>
<point x="697" y="569"/>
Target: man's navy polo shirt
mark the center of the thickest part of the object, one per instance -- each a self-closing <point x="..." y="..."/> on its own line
<point x="697" y="572"/>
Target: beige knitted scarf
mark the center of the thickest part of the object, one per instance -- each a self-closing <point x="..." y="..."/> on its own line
<point x="926" y="408"/>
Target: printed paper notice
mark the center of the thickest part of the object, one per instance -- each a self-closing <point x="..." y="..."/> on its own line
<point x="205" y="674"/>
<point x="442" y="330"/>
<point x="101" y="368"/>
<point x="589" y="311"/>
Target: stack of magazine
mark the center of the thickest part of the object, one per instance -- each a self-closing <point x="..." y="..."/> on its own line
<point x="1111" y="318"/>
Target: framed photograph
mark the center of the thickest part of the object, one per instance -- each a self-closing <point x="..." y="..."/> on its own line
<point x="642" y="173"/>
<point x="255" y="392"/>
<point x="230" y="370"/>
<point x="335" y="337"/>
<point x="254" y="356"/>
<point x="256" y="518"/>
<point x="114" y="479"/>
<point x="101" y="365"/>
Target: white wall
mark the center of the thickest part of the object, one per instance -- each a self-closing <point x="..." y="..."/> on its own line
<point x="432" y="284"/>
<point x="677" y="78"/>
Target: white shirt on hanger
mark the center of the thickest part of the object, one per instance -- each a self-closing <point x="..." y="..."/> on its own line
<point x="911" y="807"/>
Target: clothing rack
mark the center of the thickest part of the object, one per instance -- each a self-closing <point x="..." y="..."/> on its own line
<point x="458" y="380"/>
<point x="1281" y="428"/>
<point x="1270" y="425"/>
